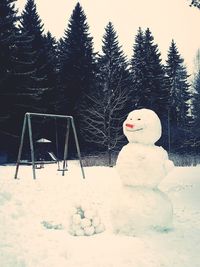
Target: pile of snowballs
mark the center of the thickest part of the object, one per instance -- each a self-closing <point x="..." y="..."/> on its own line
<point x="85" y="222"/>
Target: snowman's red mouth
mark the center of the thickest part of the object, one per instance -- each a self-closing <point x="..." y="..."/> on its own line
<point x="131" y="126"/>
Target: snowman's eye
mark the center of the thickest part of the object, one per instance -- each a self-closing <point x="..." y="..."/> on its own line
<point x="130" y="119"/>
<point x="139" y="119"/>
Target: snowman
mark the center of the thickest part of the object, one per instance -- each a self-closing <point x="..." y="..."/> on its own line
<point x="140" y="205"/>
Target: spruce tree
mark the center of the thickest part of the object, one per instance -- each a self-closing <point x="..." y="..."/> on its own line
<point x="22" y="98"/>
<point x="102" y="121"/>
<point x="31" y="25"/>
<point x="179" y="96"/>
<point x="150" y="86"/>
<point x="156" y="82"/>
<point x="76" y="61"/>
<point x="43" y="82"/>
<point x="16" y="71"/>
<point x="51" y="96"/>
<point x="113" y="71"/>
<point x="139" y="98"/>
<point x="8" y="18"/>
<point x="149" y="82"/>
<point x="194" y="140"/>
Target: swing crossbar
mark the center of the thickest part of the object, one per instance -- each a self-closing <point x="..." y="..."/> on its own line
<point x="49" y="115"/>
<point x="27" y="120"/>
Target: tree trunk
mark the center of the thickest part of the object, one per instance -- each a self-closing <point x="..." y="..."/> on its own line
<point x="109" y="157"/>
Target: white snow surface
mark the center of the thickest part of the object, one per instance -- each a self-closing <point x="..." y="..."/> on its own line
<point x="28" y="206"/>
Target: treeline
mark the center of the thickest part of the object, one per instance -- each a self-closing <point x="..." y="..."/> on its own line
<point x="40" y="74"/>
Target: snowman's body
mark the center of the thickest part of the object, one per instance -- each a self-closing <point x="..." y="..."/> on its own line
<point x="141" y="165"/>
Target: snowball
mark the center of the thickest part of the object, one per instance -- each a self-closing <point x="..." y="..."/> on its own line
<point x="100" y="228"/>
<point x="85" y="222"/>
<point x="79" y="232"/>
<point x="75" y="227"/>
<point x="89" y="230"/>
<point x="76" y="230"/>
<point x="76" y="218"/>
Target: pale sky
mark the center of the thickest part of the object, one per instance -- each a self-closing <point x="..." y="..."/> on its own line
<point x="167" y="20"/>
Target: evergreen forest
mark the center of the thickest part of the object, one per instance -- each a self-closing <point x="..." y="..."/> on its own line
<point x="98" y="88"/>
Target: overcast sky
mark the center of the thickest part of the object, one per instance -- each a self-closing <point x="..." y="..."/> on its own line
<point x="167" y="20"/>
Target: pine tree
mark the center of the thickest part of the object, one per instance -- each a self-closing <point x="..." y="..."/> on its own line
<point x="138" y="72"/>
<point x="156" y="82"/>
<point x="149" y="80"/>
<point x="179" y="96"/>
<point x="62" y="100"/>
<point x="13" y="57"/>
<point x="51" y="96"/>
<point x="150" y="86"/>
<point x="8" y="18"/>
<point x="31" y="25"/>
<point x="76" y="61"/>
<point x="33" y="70"/>
<point x="113" y="69"/>
<point x="194" y="140"/>
<point x="22" y="98"/>
<point x="102" y="121"/>
<point x="16" y="70"/>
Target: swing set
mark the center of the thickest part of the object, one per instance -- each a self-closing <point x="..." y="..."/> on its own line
<point x="27" y="123"/>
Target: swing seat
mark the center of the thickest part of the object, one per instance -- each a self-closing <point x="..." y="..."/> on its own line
<point x="62" y="170"/>
<point x="52" y="155"/>
<point x="39" y="166"/>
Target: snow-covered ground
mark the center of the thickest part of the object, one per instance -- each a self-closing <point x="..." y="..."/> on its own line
<point x="34" y="219"/>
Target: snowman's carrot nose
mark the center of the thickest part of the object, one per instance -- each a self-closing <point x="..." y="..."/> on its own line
<point x="129" y="125"/>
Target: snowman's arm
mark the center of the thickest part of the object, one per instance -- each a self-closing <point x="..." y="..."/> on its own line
<point x="168" y="164"/>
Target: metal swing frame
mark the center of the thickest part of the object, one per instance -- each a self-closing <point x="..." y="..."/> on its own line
<point x="27" y="123"/>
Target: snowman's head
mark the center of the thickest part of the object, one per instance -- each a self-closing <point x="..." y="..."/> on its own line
<point x="142" y="126"/>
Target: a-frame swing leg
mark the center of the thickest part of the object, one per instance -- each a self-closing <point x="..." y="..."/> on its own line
<point x="66" y="147"/>
<point x="20" y="147"/>
<point x="31" y="145"/>
<point x="77" y="147"/>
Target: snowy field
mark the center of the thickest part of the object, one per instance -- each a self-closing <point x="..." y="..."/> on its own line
<point x="34" y="220"/>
